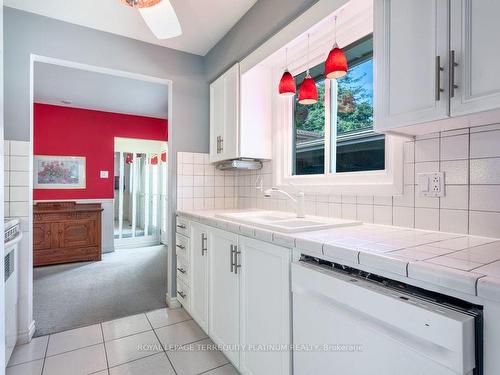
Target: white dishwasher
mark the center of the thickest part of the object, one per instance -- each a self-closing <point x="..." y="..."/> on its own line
<point x="347" y="322"/>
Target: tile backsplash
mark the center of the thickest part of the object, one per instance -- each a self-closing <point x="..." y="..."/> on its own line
<point x="470" y="159"/>
<point x="16" y="165"/>
<point x="201" y="186"/>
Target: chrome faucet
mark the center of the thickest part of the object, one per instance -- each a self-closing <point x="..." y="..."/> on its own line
<point x="298" y="200"/>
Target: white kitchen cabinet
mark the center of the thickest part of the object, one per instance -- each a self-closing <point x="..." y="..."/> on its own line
<point x="475" y="32"/>
<point x="199" y="274"/>
<point x="410" y="39"/>
<point x="224" y="292"/>
<point x="241" y="115"/>
<point x="264" y="306"/>
<point x="435" y="65"/>
<point x="224" y="115"/>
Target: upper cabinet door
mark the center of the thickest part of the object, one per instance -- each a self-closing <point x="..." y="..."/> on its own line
<point x="224" y="116"/>
<point x="230" y="138"/>
<point x="216" y="118"/>
<point x="410" y="40"/>
<point x="475" y="32"/>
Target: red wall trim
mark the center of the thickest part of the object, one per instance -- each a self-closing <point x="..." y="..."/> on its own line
<point x="81" y="132"/>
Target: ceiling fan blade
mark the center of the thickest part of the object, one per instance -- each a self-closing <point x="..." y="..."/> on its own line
<point x="162" y="20"/>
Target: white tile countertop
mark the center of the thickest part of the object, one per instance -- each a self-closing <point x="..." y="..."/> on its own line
<point x="457" y="262"/>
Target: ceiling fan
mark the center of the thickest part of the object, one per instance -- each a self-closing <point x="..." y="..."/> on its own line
<point x="159" y="15"/>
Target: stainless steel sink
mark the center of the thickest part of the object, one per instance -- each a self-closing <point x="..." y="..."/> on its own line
<point x="285" y="222"/>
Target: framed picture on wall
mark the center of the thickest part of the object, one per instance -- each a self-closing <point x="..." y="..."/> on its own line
<point x="59" y="172"/>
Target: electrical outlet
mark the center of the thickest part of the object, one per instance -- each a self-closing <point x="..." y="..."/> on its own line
<point x="431" y="184"/>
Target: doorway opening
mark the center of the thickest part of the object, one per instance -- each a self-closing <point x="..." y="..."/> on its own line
<point x="140" y="192"/>
<point x="85" y="113"/>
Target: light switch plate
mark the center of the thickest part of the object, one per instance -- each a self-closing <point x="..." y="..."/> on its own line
<point x="431" y="184"/>
<point x="104" y="174"/>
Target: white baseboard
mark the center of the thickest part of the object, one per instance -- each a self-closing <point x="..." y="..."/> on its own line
<point x="24" y="337"/>
<point x="172" y="302"/>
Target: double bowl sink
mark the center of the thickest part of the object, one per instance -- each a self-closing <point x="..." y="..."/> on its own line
<point x="285" y="222"/>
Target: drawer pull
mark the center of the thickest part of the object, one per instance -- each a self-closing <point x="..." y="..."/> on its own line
<point x="181" y="270"/>
<point x="182" y="247"/>
<point x="182" y="294"/>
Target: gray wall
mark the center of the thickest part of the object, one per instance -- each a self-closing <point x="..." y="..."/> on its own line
<point x="27" y="33"/>
<point x="262" y="21"/>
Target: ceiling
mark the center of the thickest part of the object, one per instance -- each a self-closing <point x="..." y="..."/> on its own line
<point x="102" y="92"/>
<point x="203" y="22"/>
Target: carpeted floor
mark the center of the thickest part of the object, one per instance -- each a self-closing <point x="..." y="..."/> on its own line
<point x="124" y="283"/>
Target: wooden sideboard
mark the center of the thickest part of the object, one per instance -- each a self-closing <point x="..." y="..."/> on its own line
<point x="65" y="232"/>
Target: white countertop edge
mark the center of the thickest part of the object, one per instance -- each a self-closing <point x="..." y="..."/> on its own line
<point x="443" y="281"/>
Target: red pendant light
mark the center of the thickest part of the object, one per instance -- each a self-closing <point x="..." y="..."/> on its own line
<point x="129" y="159"/>
<point x="308" y="92"/>
<point x="287" y="82"/>
<point x="154" y="160"/>
<point x="336" y="63"/>
<point x="164" y="156"/>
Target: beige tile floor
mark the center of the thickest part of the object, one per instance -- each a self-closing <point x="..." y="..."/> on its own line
<point x="165" y="341"/>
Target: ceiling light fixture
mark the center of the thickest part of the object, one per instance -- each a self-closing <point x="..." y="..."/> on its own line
<point x="336" y="63"/>
<point x="308" y="92"/>
<point x="140" y="3"/>
<point x="159" y="15"/>
<point x="287" y="82"/>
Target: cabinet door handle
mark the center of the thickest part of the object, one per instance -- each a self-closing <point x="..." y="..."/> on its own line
<point x="182" y="294"/>
<point x="231" y="257"/>
<point x="181" y="226"/>
<point x="439" y="69"/>
<point x="181" y="270"/>
<point x="236" y="265"/>
<point x="181" y="247"/>
<point x="221" y="144"/>
<point x="203" y="244"/>
<point x="453" y="65"/>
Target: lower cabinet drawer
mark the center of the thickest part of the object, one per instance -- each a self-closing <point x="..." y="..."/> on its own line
<point x="183" y="295"/>
<point x="182" y="246"/>
<point x="183" y="271"/>
<point x="182" y="226"/>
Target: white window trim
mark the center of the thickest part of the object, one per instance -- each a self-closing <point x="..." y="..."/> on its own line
<point x="385" y="182"/>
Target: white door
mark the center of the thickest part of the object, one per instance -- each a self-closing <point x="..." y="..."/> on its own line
<point x="199" y="275"/>
<point x="224" y="293"/>
<point x="230" y="139"/>
<point x="265" y="307"/>
<point x="216" y="118"/>
<point x="410" y="39"/>
<point x="475" y="32"/>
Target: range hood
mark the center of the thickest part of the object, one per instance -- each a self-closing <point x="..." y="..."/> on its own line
<point x="239" y="164"/>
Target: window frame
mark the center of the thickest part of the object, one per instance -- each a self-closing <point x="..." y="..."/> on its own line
<point x="385" y="182"/>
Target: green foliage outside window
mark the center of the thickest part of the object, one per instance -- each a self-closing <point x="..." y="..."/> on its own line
<point x="354" y="103"/>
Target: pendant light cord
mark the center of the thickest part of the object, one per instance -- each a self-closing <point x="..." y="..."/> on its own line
<point x="308" y="62"/>
<point x="335" y="31"/>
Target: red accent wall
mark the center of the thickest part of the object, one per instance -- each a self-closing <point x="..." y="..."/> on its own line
<point x="80" y="132"/>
